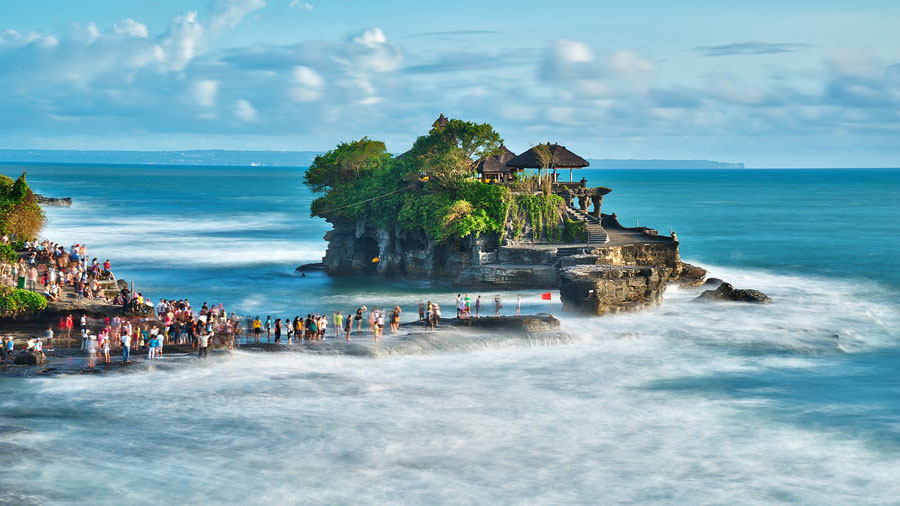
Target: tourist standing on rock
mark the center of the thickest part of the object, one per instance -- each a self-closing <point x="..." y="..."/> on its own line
<point x="126" y="348"/>
<point x="50" y="337"/>
<point x="106" y="350"/>
<point x="395" y="319"/>
<point x="348" y="326"/>
<point x="498" y="305"/>
<point x="371" y="320"/>
<point x="69" y="325"/>
<point x="277" y="330"/>
<point x="151" y="346"/>
<point x="257" y="328"/>
<point x="459" y="305"/>
<point x="10" y="346"/>
<point x="204" y="343"/>
<point x="518" y="305"/>
<point x="92" y="352"/>
<point x="477" y="306"/>
<point x="429" y="323"/>
<point x="3" y="348"/>
<point x="358" y="317"/>
<point x="268" y="328"/>
<point x="436" y="313"/>
<point x="338" y="324"/>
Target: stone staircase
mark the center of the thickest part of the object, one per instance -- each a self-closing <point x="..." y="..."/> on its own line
<point x="596" y="234"/>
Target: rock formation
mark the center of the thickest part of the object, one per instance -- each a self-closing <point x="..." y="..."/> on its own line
<point x="600" y="289"/>
<point x="726" y="292"/>
<point x="52" y="201"/>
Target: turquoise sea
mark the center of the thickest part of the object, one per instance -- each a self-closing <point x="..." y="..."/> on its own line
<point x="795" y="402"/>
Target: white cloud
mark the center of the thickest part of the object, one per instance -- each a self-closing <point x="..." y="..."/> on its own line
<point x="309" y="82"/>
<point x="245" y="111"/>
<point x="93" y="32"/>
<point x="301" y="5"/>
<point x="182" y="42"/>
<point x="573" y="51"/>
<point x="205" y="92"/>
<point x="229" y="13"/>
<point x="372" y="37"/>
<point x="131" y="28"/>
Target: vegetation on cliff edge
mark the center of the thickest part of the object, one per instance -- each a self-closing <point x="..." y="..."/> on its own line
<point x="433" y="187"/>
<point x="20" y="213"/>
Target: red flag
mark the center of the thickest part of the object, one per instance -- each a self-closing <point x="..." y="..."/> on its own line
<point x="546" y="296"/>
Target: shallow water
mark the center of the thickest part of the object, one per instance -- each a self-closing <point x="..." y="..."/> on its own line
<point x="797" y="401"/>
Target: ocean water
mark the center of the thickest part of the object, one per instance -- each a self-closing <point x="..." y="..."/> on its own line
<point x="793" y="402"/>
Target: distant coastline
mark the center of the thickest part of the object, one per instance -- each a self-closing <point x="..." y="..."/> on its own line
<point x="221" y="157"/>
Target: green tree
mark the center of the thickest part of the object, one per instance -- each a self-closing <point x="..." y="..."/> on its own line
<point x="345" y="163"/>
<point x="449" y="154"/>
<point x="19" y="190"/>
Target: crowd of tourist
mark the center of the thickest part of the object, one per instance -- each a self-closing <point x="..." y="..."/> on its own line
<point x="147" y="328"/>
<point x="48" y="267"/>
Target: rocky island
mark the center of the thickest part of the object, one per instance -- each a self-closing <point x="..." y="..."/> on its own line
<point x="459" y="206"/>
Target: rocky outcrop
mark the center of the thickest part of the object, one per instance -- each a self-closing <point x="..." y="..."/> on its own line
<point x="691" y="275"/>
<point x="525" y="323"/>
<point x="29" y="357"/>
<point x="362" y="249"/>
<point x="652" y="253"/>
<point x="600" y="289"/>
<point x="51" y="201"/>
<point x="726" y="292"/>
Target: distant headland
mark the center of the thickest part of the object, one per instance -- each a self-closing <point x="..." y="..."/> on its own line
<point x="276" y="159"/>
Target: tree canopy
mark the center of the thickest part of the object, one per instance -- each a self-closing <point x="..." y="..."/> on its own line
<point x="20" y="213"/>
<point x="431" y="188"/>
<point x="348" y="161"/>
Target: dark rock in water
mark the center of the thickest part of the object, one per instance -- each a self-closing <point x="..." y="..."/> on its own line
<point x="514" y="323"/>
<point x="51" y="201"/>
<point x="599" y="289"/>
<point x="691" y="275"/>
<point x="311" y="267"/>
<point x="727" y="292"/>
<point x="29" y="357"/>
<point x="713" y="282"/>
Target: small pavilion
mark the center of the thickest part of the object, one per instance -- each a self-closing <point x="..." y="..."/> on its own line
<point x="560" y="158"/>
<point x="493" y="169"/>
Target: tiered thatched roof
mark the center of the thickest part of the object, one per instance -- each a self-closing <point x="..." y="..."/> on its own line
<point x="497" y="163"/>
<point x="441" y="122"/>
<point x="561" y="158"/>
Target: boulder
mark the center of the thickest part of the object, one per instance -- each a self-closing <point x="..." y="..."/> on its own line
<point x="713" y="283"/>
<point x="691" y="275"/>
<point x="727" y="292"/>
<point x="29" y="357"/>
<point x="600" y="289"/>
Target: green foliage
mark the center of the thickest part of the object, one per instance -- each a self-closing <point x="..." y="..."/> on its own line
<point x="575" y="232"/>
<point x="449" y="154"/>
<point x="20" y="213"/>
<point x="543" y="213"/>
<point x="8" y="253"/>
<point x="15" y="302"/>
<point x="347" y="162"/>
<point x="430" y="188"/>
<point x="19" y="190"/>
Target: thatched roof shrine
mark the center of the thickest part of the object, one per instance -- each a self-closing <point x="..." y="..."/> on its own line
<point x="497" y="163"/>
<point x="560" y="158"/>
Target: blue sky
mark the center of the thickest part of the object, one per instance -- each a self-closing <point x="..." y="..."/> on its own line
<point x="768" y="83"/>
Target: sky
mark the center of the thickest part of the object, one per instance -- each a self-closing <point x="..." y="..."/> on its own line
<point x="769" y="83"/>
